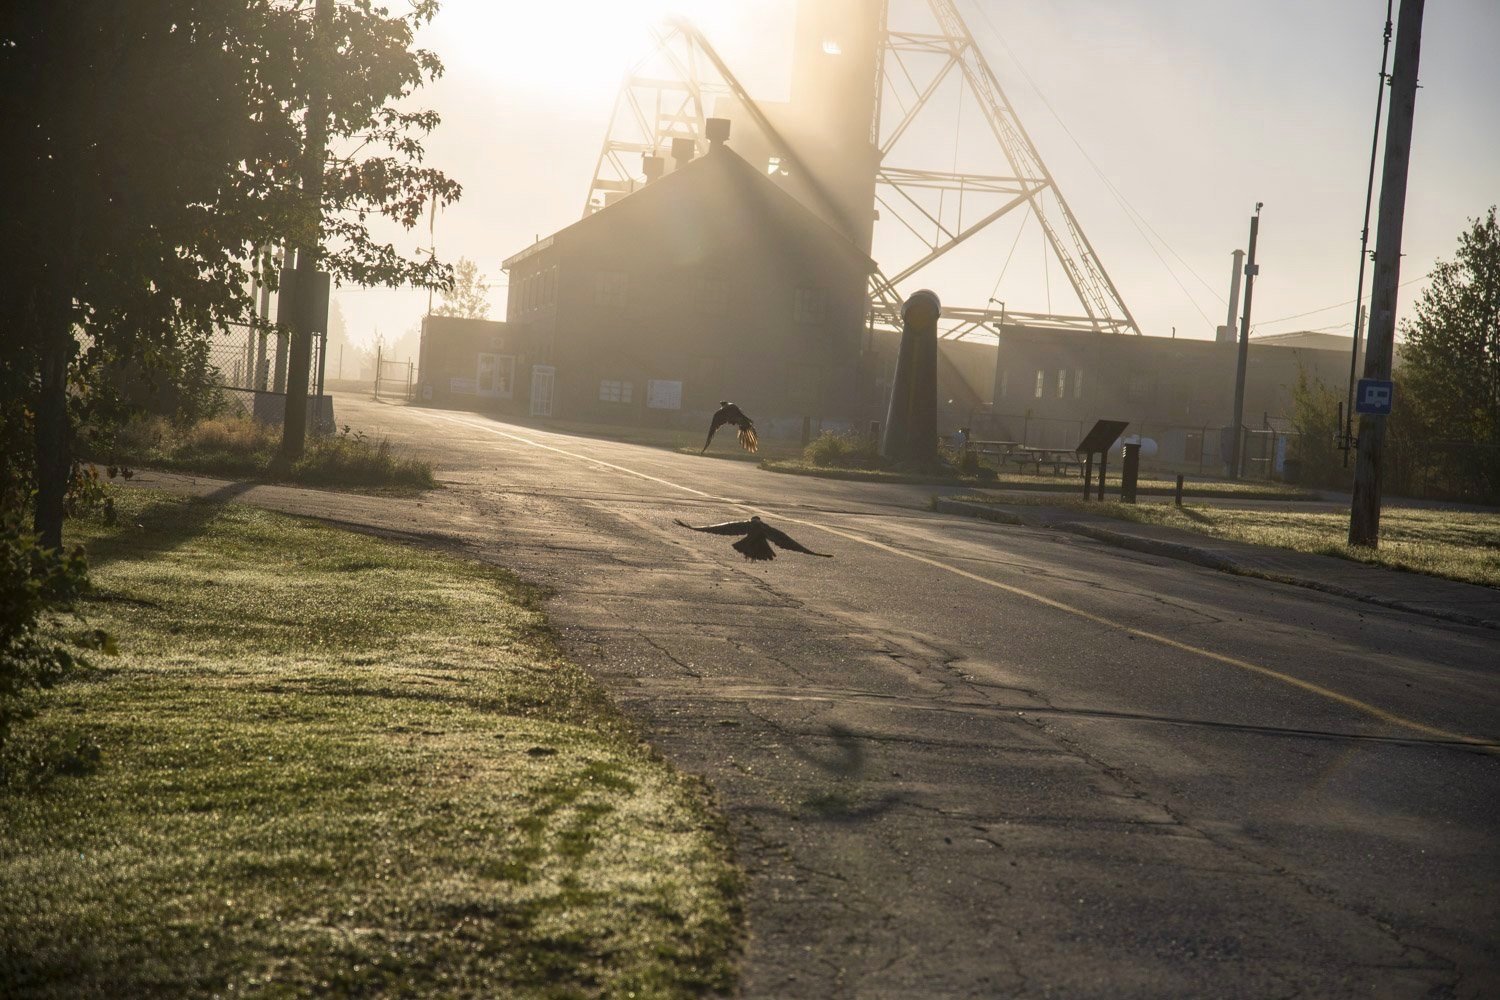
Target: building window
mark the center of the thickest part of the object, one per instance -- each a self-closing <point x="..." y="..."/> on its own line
<point x="1004" y="381"/>
<point x="807" y="307"/>
<point x="1077" y="383"/>
<point x="549" y="286"/>
<point x="1139" y="387"/>
<point x="609" y="289"/>
<point x="1041" y="383"/>
<point x="1062" y="382"/>
<point x="611" y="391"/>
<point x="713" y="295"/>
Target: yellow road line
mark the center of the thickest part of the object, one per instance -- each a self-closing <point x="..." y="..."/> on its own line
<point x="1373" y="711"/>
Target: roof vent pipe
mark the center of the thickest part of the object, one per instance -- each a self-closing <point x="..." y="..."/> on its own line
<point x="683" y="150"/>
<point x="717" y="130"/>
<point x="652" y="167"/>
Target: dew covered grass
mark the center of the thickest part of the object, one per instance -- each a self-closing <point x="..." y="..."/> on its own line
<point x="330" y="764"/>
<point x="1454" y="544"/>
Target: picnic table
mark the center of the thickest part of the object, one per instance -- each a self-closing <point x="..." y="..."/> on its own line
<point x="1060" y="459"/>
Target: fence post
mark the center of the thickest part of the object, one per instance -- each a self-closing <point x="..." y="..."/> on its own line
<point x="1178" y="497"/>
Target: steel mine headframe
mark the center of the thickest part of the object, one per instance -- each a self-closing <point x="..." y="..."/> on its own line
<point x="853" y="143"/>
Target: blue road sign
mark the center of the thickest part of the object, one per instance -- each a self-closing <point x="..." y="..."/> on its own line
<point x="1374" y="395"/>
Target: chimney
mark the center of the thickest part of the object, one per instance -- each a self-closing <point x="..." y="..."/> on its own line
<point x="717" y="130"/>
<point x="652" y="166"/>
<point x="683" y="150"/>
<point x="1227" y="334"/>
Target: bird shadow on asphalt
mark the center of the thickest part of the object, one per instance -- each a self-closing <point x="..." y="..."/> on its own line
<point x="846" y="763"/>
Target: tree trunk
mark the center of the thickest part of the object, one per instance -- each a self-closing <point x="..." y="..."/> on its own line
<point x="54" y="437"/>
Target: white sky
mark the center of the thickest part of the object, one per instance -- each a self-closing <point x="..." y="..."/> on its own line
<point x="1193" y="110"/>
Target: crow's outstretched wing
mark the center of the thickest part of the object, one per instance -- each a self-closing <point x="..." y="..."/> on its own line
<point x="721" y="417"/>
<point x="722" y="528"/>
<point x="785" y="541"/>
<point x="749" y="440"/>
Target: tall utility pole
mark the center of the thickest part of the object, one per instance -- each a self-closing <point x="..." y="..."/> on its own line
<point x="294" y="435"/>
<point x="1364" y="511"/>
<point x="1237" y="445"/>
<point x="1364" y="240"/>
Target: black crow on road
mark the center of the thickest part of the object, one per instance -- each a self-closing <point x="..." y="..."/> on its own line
<point x="759" y="536"/>
<point x="728" y="413"/>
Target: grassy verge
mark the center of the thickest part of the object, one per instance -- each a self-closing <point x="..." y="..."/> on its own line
<point x="328" y="764"/>
<point x="240" y="448"/>
<point x="1455" y="545"/>
<point x="1023" y="482"/>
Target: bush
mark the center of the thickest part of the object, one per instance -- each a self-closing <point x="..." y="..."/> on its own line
<point x="35" y="583"/>
<point x="843" y="451"/>
<point x="240" y="447"/>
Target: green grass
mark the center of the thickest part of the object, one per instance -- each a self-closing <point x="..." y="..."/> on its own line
<point x="328" y="764"/>
<point x="1455" y="545"/>
<point x="1026" y="482"/>
<point x="238" y="447"/>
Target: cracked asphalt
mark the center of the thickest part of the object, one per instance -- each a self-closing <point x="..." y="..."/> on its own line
<point x="969" y="759"/>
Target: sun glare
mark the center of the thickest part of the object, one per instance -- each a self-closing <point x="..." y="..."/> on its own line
<point x="570" y="49"/>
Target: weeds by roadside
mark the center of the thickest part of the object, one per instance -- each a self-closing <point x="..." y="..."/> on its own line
<point x="239" y="447"/>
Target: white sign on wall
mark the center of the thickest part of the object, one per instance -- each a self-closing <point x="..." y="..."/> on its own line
<point x="663" y="394"/>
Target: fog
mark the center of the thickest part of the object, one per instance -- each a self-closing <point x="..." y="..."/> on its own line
<point x="1184" y="115"/>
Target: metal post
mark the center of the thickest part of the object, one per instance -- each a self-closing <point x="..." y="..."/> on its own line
<point x="1178" y="497"/>
<point x="1103" y="463"/>
<point x="1364" y="512"/>
<point x="1236" y="458"/>
<point x="1088" y="473"/>
<point x="294" y="436"/>
<point x="1129" y="472"/>
<point x="1347" y="428"/>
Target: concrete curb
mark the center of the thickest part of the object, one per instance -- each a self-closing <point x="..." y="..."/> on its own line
<point x="1204" y="557"/>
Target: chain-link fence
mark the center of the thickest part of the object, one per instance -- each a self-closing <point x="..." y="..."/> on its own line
<point x="254" y="357"/>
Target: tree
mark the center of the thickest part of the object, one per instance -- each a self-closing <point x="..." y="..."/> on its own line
<point x="151" y="147"/>
<point x="469" y="298"/>
<point x="1450" y="362"/>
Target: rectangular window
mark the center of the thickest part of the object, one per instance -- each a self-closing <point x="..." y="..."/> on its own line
<point x="614" y="391"/>
<point x="1077" y="383"/>
<point x="807" y="306"/>
<point x="1139" y="387"/>
<point x="1062" y="382"/>
<point x="609" y="289"/>
<point x="1041" y="383"/>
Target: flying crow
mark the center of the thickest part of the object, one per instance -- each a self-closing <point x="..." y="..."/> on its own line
<point x="756" y="545"/>
<point x="728" y="413"/>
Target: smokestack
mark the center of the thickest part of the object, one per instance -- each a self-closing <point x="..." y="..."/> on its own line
<point x="683" y="150"/>
<point x="717" y="130"/>
<point x="652" y="166"/>
<point x="1227" y="334"/>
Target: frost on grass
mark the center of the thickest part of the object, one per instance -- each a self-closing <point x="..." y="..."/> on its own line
<point x="333" y="764"/>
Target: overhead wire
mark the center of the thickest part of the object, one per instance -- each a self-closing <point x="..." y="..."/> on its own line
<point x="1131" y="212"/>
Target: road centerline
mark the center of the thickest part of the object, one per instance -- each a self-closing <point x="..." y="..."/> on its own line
<point x="1373" y="711"/>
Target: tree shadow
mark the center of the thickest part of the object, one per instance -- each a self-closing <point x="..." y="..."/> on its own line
<point x="162" y="527"/>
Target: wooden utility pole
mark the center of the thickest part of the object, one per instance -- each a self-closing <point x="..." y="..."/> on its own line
<point x="294" y="430"/>
<point x="1237" y="447"/>
<point x="1364" y="511"/>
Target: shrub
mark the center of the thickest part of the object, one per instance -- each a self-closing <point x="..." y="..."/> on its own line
<point x="843" y="451"/>
<point x="35" y="584"/>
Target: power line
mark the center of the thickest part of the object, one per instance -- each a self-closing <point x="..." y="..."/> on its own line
<point x="1131" y="212"/>
<point x="1336" y="305"/>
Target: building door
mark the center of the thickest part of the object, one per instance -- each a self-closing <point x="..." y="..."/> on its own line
<point x="542" y="377"/>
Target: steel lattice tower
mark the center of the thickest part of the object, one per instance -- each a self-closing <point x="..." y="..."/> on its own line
<point x="843" y="140"/>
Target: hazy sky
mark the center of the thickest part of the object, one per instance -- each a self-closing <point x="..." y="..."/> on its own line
<point x="1192" y="109"/>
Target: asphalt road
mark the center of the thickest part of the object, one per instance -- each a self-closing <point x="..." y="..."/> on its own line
<point x="968" y="759"/>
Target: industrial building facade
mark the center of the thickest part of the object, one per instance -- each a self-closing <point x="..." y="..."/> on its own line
<point x="708" y="283"/>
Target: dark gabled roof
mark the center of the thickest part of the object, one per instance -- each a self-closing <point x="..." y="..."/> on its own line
<point x="719" y="195"/>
